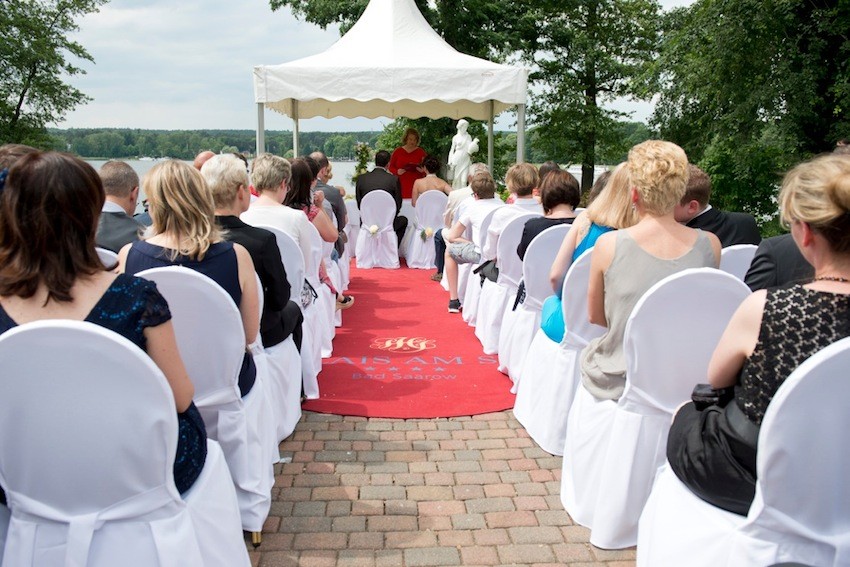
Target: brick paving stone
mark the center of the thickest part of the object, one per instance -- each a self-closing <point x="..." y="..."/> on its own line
<point x="572" y="552"/>
<point x="389" y="558"/>
<point x="349" y="524"/>
<point x="355" y="558"/>
<point x="366" y="540"/>
<point x="309" y="509"/>
<point x="467" y="492"/>
<point x="455" y="538"/>
<point x="491" y="537"/>
<point x="320" y="541"/>
<point x="429" y="492"/>
<point x="468" y="522"/>
<point x="500" y="490"/>
<point x="391" y="523"/>
<point x="441" y="508"/>
<point x="478" y="555"/>
<point x="484" y="505"/>
<point x="404" y="540"/>
<point x="431" y="556"/>
<point x="400" y="508"/>
<point x="510" y="519"/>
<point x="477" y="478"/>
<point x="536" y="534"/>
<point x="525" y="554"/>
<point x="382" y="492"/>
<point x="458" y="466"/>
<point x="530" y="503"/>
<point x="613" y="554"/>
<point x="367" y="508"/>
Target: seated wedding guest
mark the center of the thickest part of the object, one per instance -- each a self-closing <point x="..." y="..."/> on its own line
<point x="459" y="249"/>
<point x="49" y="269"/>
<point x="627" y="262"/>
<point x="777" y="263"/>
<point x="430" y="182"/>
<point x="695" y="211"/>
<point x="598" y="186"/>
<point x="611" y="211"/>
<point x="202" y="158"/>
<point x="559" y="195"/>
<point x="116" y="226"/>
<point x="333" y="198"/>
<point x="713" y="450"/>
<point x="184" y="233"/>
<point x="521" y="180"/>
<point x="381" y="179"/>
<point x="456" y="197"/>
<point x="546" y="168"/>
<point x="298" y="198"/>
<point x="10" y="153"/>
<point x="227" y="180"/>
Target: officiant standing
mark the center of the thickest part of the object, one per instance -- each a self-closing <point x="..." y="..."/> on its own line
<point x="406" y="162"/>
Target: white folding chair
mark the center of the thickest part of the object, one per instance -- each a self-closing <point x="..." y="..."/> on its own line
<point x="87" y="456"/>
<point x="551" y="371"/>
<point x="519" y="326"/>
<point x="107" y="257"/>
<point x="493" y="298"/>
<point x="801" y="509"/>
<point x="378" y="250"/>
<point x="667" y="352"/>
<point x="736" y="259"/>
<point x="464" y="270"/>
<point x="352" y="229"/>
<point x="428" y="216"/>
<point x="325" y="302"/>
<point x="211" y="339"/>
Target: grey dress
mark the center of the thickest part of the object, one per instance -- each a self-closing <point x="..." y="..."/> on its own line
<point x="631" y="273"/>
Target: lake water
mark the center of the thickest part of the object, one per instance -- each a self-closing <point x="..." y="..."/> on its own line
<point x="342" y="172"/>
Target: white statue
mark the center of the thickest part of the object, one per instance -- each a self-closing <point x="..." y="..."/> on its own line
<point x="460" y="156"/>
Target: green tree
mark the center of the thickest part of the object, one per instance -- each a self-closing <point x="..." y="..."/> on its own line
<point x="750" y="87"/>
<point x="34" y="50"/>
<point x="588" y="52"/>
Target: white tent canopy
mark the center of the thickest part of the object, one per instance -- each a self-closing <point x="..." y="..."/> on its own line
<point x="391" y="63"/>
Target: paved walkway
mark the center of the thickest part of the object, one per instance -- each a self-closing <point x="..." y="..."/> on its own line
<point x="389" y="492"/>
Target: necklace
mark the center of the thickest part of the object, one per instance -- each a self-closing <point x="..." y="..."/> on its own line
<point x="831" y="279"/>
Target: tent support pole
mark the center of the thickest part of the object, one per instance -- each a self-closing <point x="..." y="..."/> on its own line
<point x="261" y="128"/>
<point x="295" y="128"/>
<point x="520" y="133"/>
<point x="490" y="138"/>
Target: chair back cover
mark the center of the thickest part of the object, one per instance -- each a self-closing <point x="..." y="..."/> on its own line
<point x="353" y="212"/>
<point x="377" y="208"/>
<point x="480" y="239"/>
<point x="293" y="261"/>
<point x="428" y="215"/>
<point x="671" y="334"/>
<point x="89" y="434"/>
<point x="577" y="323"/>
<point x="801" y="511"/>
<point x="538" y="259"/>
<point x="510" y="266"/>
<point x="107" y="257"/>
<point x="736" y="259"/>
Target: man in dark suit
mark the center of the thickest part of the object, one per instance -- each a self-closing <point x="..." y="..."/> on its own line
<point x="227" y="180"/>
<point x="380" y="178"/>
<point x="695" y="212"/>
<point x="778" y="263"/>
<point x="116" y="225"/>
<point x="333" y="197"/>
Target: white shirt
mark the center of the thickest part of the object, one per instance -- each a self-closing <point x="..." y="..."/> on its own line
<point x="502" y="217"/>
<point x="292" y="222"/>
<point x="475" y="213"/>
<point x="455" y="198"/>
<point x="110" y="207"/>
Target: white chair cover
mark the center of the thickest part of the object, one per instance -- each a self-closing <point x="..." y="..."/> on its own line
<point x="493" y="297"/>
<point x="344" y="264"/>
<point x="352" y="229"/>
<point x="736" y="259"/>
<point x="518" y="329"/>
<point x="667" y="353"/>
<point x="4" y="527"/>
<point x="551" y="371"/>
<point x="107" y="257"/>
<point x="379" y="250"/>
<point x="428" y="215"/>
<point x="87" y="453"/>
<point x="211" y="340"/>
<point x="463" y="270"/>
<point x="329" y="299"/>
<point x="316" y="324"/>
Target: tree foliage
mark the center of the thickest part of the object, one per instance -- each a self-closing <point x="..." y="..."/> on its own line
<point x="750" y="87"/>
<point x="34" y="63"/>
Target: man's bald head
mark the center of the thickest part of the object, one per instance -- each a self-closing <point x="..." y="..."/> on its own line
<point x="202" y="158"/>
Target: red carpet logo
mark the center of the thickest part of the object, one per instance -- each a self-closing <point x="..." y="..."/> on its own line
<point x="404" y="344"/>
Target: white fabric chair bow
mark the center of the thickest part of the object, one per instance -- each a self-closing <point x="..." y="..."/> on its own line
<point x="801" y="510"/>
<point x="493" y="299"/>
<point x="736" y="259"/>
<point x="428" y="215"/>
<point x="667" y="351"/>
<point x="378" y="250"/>
<point x="211" y="339"/>
<point x="95" y="486"/>
<point x="519" y="325"/>
<point x="551" y="371"/>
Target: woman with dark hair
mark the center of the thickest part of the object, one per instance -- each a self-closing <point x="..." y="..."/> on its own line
<point x="559" y="195"/>
<point x="713" y="450"/>
<point x="406" y="162"/>
<point x="49" y="269"/>
<point x="184" y="233"/>
<point x="430" y="182"/>
<point x="299" y="197"/>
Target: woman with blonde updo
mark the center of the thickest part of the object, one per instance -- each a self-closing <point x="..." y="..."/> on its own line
<point x="713" y="450"/>
<point x="626" y="263"/>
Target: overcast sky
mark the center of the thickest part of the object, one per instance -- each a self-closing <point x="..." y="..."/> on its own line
<point x="187" y="64"/>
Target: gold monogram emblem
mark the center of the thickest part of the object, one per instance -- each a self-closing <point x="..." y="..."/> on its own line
<point x="404" y="344"/>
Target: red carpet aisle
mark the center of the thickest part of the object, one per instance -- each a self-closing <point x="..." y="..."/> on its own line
<point x="400" y="354"/>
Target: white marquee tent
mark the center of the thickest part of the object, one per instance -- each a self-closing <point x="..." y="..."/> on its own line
<point x="391" y="63"/>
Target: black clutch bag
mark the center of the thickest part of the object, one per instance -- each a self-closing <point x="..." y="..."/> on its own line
<point x="704" y="396"/>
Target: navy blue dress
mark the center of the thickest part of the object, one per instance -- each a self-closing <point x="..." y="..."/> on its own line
<point x="127" y="307"/>
<point x="219" y="264"/>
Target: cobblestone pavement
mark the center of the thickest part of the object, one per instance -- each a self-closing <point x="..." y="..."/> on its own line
<point x="416" y="493"/>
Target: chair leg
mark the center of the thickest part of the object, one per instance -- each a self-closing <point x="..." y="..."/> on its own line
<point x="256" y="539"/>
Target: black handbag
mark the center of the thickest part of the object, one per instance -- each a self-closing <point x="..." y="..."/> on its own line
<point x="704" y="396"/>
<point x="487" y="270"/>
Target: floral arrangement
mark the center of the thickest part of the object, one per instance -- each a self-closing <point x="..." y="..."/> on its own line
<point x="362" y="153"/>
<point x="426" y="233"/>
<point x="373" y="230"/>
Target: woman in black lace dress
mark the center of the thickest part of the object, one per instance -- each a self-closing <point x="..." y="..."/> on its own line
<point x="713" y="451"/>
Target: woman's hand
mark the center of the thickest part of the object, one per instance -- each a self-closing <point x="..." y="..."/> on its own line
<point x="319" y="198"/>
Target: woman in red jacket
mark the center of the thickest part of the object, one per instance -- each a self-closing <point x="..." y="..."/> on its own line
<point x="406" y="162"/>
